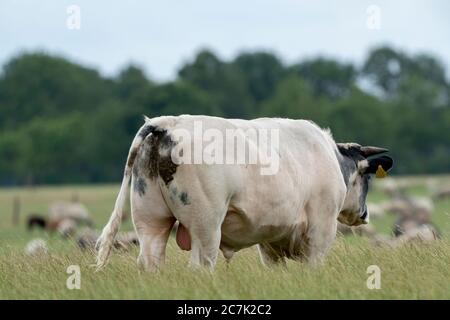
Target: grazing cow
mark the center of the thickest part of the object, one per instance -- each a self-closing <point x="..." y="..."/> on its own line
<point x="87" y="239"/>
<point x="77" y="212"/>
<point x="124" y="240"/>
<point x="228" y="207"/>
<point x="363" y="230"/>
<point x="426" y="232"/>
<point x="127" y="239"/>
<point x="410" y="211"/>
<point x="36" y="220"/>
<point x="413" y="213"/>
<point x="63" y="217"/>
<point x="415" y="233"/>
<point x="442" y="193"/>
<point x="67" y="228"/>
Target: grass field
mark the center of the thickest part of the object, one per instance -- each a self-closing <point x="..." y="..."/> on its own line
<point x="416" y="271"/>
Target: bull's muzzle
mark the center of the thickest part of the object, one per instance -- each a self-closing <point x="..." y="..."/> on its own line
<point x="354" y="219"/>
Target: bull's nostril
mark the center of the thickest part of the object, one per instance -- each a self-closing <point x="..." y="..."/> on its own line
<point x="364" y="215"/>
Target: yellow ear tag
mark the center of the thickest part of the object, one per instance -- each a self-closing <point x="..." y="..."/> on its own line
<point x="380" y="172"/>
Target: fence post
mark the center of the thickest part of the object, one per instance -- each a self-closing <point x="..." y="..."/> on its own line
<point x="16" y="211"/>
<point x="75" y="197"/>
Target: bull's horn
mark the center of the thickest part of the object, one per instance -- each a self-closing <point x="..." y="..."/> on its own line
<point x="368" y="151"/>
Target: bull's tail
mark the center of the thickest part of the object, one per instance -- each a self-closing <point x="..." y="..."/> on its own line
<point x="106" y="240"/>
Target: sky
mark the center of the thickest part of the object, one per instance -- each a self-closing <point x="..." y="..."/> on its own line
<point x="160" y="36"/>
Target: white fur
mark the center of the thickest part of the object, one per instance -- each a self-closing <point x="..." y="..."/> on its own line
<point x="234" y="206"/>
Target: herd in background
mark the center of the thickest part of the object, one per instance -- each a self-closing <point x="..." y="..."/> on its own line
<point x="72" y="220"/>
<point x="413" y="215"/>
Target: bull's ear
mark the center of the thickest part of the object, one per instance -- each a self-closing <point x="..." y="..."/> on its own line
<point x="367" y="151"/>
<point x="380" y="166"/>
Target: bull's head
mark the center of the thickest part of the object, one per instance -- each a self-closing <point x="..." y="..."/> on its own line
<point x="357" y="164"/>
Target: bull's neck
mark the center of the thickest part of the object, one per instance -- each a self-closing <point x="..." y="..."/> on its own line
<point x="347" y="166"/>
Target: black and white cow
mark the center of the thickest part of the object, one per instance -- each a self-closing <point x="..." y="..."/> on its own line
<point x="291" y="213"/>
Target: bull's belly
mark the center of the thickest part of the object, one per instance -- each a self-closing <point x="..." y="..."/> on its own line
<point x="239" y="232"/>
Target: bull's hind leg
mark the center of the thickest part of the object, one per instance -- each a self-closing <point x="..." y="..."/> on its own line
<point x="199" y="202"/>
<point x="153" y="240"/>
<point x="152" y="220"/>
<point x="203" y="221"/>
<point x="205" y="245"/>
<point x="204" y="225"/>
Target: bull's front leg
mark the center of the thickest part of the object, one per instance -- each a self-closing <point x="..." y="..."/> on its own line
<point x="205" y="247"/>
<point x="152" y="221"/>
<point x="321" y="232"/>
<point x="270" y="256"/>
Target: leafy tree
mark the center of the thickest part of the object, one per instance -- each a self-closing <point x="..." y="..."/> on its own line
<point x="37" y="84"/>
<point x="294" y="98"/>
<point x="222" y="81"/>
<point x="384" y="67"/>
<point x="261" y="72"/>
<point x="62" y="123"/>
<point x="362" y="118"/>
<point x="327" y="78"/>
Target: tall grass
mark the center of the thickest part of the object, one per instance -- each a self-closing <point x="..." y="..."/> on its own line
<point x="410" y="272"/>
<point x="415" y="271"/>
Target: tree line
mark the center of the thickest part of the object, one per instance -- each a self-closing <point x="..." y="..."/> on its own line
<point x="61" y="122"/>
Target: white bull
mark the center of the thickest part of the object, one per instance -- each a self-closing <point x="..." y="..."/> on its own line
<point x="292" y="213"/>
